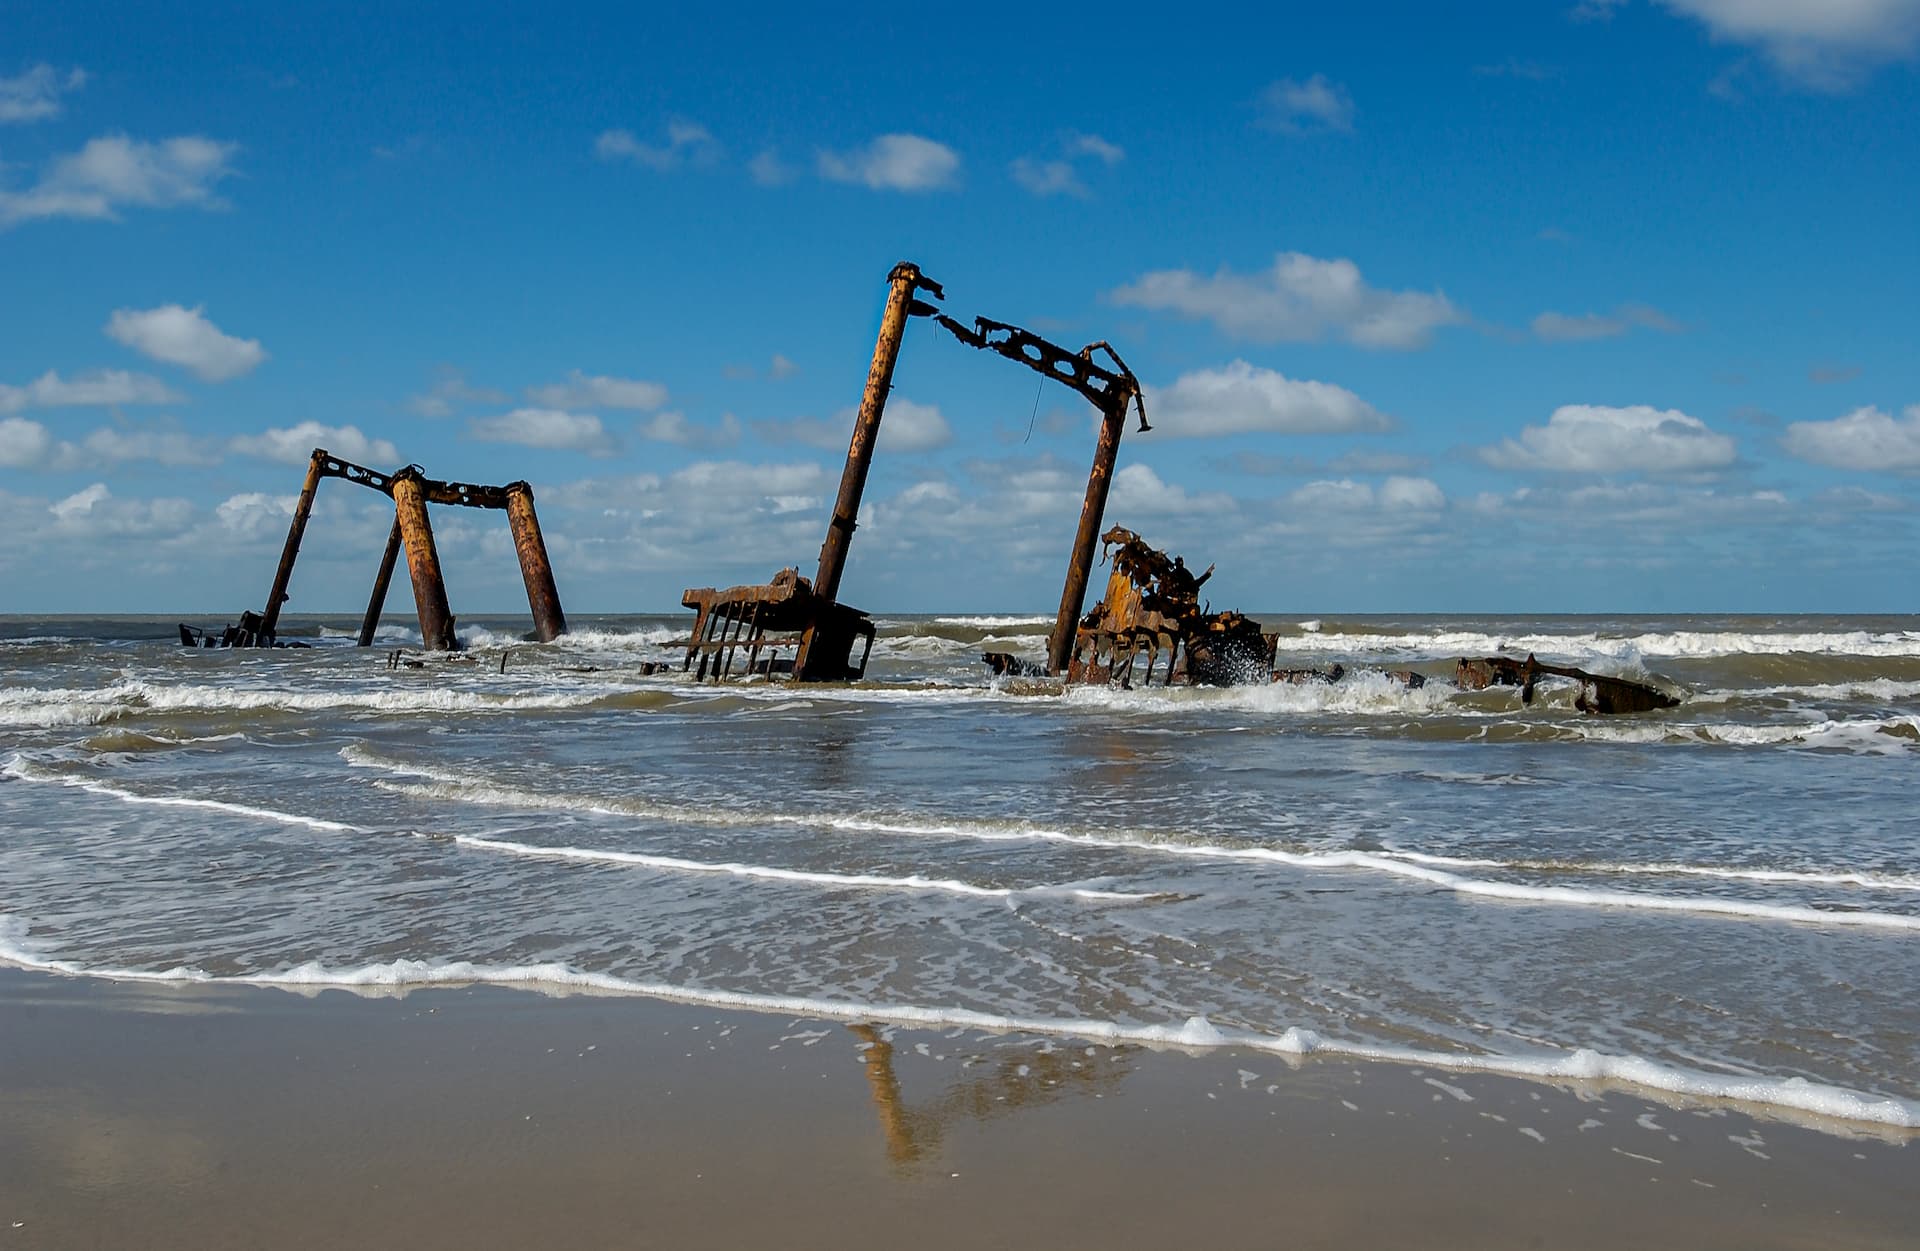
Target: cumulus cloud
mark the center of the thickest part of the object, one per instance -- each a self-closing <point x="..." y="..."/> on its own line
<point x="93" y="512"/>
<point x="22" y="442"/>
<point x="1561" y="327"/>
<point x="767" y="169"/>
<point x="292" y="445"/>
<point x="674" y="427"/>
<point x="183" y="336"/>
<point x="598" y="391"/>
<point x="1830" y="45"/>
<point x="1395" y="494"/>
<point x="114" y="171"/>
<point x="896" y="162"/>
<point x="1140" y="492"/>
<point x="107" y="447"/>
<point x="1301" y="298"/>
<point x="1865" y="438"/>
<point x="34" y="96"/>
<point x="551" y="428"/>
<point x="688" y="143"/>
<point x="451" y="389"/>
<point x="1590" y="438"/>
<point x="906" y="427"/>
<point x="98" y="387"/>
<point x="1315" y="105"/>
<point x="1240" y="398"/>
<point x="1060" y="174"/>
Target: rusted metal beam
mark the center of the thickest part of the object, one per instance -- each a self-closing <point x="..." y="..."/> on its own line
<point x="377" y="601"/>
<point x="1112" y="391"/>
<point x="549" y="622"/>
<point x="270" y="618"/>
<point x="423" y="561"/>
<point x="1073" y="595"/>
<point x="903" y="282"/>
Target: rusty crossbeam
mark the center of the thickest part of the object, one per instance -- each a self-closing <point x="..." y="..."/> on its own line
<point x="411" y="491"/>
<point x="1113" y="392"/>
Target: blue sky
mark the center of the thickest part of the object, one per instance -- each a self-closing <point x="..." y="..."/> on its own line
<point x="1544" y="307"/>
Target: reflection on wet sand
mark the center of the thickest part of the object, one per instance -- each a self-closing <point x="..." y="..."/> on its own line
<point x="1029" y="1079"/>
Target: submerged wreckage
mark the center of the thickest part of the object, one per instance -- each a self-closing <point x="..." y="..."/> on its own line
<point x="1149" y="626"/>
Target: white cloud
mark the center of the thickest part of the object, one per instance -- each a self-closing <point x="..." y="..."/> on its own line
<point x="256" y="514"/>
<point x="1825" y="45"/>
<point x="1562" y="327"/>
<point x="674" y="427"/>
<point x="1411" y="493"/>
<point x="35" y="95"/>
<point x="22" y="442"/>
<point x="1050" y="176"/>
<point x="1140" y="492"/>
<point x="905" y="427"/>
<point x="1301" y="298"/>
<point x="598" y="391"/>
<point x="108" y="447"/>
<point x="451" y="389"/>
<point x="93" y="511"/>
<point x="1589" y="438"/>
<point x="1240" y="398"/>
<point x="687" y="143"/>
<point x="1396" y="494"/>
<point x="1046" y="178"/>
<point x="292" y="445"/>
<point x="769" y="170"/>
<point x="1094" y="146"/>
<point x="551" y="428"/>
<point x="1865" y="438"/>
<point x="98" y="387"/>
<point x="895" y="162"/>
<point x="184" y="336"/>
<point x="114" y="171"/>
<point x="780" y="368"/>
<point x="1316" y="105"/>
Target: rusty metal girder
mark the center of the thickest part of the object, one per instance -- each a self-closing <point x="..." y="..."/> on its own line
<point x="1103" y="388"/>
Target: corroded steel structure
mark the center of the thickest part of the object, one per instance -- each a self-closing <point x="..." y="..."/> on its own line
<point x="411" y="491"/>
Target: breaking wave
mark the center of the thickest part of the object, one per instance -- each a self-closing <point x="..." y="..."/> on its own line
<point x="464" y="788"/>
<point x="1766" y="1095"/>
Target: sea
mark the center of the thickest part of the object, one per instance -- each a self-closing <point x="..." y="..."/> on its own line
<point x="1719" y="902"/>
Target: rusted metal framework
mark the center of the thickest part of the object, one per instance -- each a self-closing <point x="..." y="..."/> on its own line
<point x="411" y="491"/>
<point x="790" y="613"/>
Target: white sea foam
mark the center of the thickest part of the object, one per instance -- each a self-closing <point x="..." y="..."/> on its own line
<point x="993" y="622"/>
<point x="911" y="882"/>
<point x="1880" y="736"/>
<point x="1358" y="694"/>
<point x="45" y="707"/>
<point x="1677" y="643"/>
<point x="22" y="770"/>
<point x="464" y="788"/>
<point x="1757" y="1093"/>
<point x="1732" y="873"/>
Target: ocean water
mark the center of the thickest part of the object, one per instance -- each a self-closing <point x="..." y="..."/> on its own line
<point x="1721" y="901"/>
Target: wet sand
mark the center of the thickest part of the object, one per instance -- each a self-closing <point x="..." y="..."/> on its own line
<point x="142" y="1116"/>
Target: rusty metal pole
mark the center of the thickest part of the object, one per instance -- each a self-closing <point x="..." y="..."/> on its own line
<point x="423" y="561"/>
<point x="270" y="619"/>
<point x="378" y="600"/>
<point x="1099" y="480"/>
<point x="549" y="622"/>
<point x="866" y="428"/>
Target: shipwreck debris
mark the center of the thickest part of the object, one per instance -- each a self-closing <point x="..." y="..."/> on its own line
<point x="1599" y="693"/>
<point x="789" y="613"/>
<point x="411" y="491"/>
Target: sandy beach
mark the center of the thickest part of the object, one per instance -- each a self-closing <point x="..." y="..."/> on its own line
<point x="141" y="1116"/>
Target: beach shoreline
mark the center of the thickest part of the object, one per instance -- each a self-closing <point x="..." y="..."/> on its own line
<point x="143" y="1115"/>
